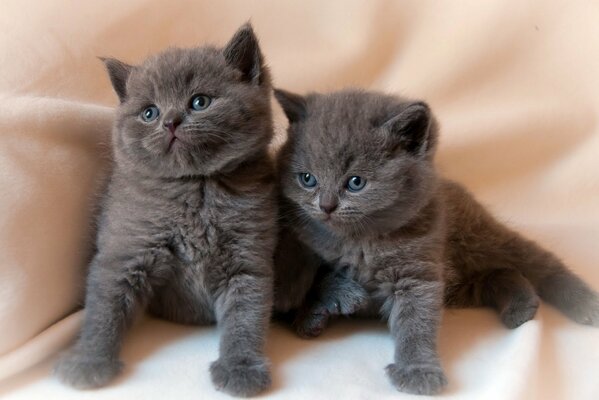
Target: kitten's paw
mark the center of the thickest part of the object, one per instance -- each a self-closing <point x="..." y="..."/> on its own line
<point x="520" y="310"/>
<point x="348" y="301"/>
<point x="311" y="325"/>
<point x="242" y="377"/>
<point x="83" y="371"/>
<point x="339" y="295"/>
<point x="417" y="379"/>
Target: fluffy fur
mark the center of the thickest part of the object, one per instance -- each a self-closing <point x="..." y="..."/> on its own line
<point x="410" y="239"/>
<point x="188" y="223"/>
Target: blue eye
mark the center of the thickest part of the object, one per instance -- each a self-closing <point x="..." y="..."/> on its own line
<point x="356" y="183"/>
<point x="150" y="114"/>
<point x="200" y="102"/>
<point x="307" y="180"/>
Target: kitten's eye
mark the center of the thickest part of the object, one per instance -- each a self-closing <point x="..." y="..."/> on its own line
<point x="356" y="183"/>
<point x="150" y="114"/>
<point x="200" y="102"/>
<point x="307" y="180"/>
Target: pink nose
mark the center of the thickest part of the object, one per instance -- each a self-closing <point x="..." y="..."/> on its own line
<point x="328" y="207"/>
<point x="172" y="124"/>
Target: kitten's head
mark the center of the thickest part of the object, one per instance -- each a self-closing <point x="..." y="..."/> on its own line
<point x="357" y="162"/>
<point x="192" y="111"/>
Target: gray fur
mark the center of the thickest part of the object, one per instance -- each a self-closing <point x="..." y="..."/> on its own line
<point x="187" y="231"/>
<point x="333" y="293"/>
<point x="413" y="240"/>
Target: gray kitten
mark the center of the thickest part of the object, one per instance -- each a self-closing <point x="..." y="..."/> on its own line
<point x="361" y="191"/>
<point x="188" y="224"/>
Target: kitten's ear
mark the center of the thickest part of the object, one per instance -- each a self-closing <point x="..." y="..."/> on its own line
<point x="243" y="53"/>
<point x="119" y="73"/>
<point x="293" y="105"/>
<point x="410" y="129"/>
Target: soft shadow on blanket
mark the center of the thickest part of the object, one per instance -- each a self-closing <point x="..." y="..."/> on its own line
<point x="463" y="333"/>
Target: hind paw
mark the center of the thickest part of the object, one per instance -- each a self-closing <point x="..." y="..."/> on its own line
<point x="519" y="311"/>
<point x="311" y="325"/>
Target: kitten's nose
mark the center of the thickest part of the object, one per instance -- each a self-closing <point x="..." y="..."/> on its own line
<point x="172" y="123"/>
<point x="328" y="207"/>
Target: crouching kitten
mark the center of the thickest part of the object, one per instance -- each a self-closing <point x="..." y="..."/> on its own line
<point x="360" y="190"/>
<point x="188" y="223"/>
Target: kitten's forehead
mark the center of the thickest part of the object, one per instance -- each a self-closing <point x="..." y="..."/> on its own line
<point x="175" y="70"/>
<point x="344" y="127"/>
<point x="351" y="110"/>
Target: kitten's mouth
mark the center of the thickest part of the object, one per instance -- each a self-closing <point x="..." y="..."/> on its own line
<point x="329" y="219"/>
<point x="171" y="143"/>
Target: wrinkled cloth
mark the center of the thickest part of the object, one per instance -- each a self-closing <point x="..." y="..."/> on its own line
<point x="514" y="85"/>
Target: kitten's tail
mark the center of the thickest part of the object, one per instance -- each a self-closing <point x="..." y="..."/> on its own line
<point x="480" y="243"/>
<point x="553" y="281"/>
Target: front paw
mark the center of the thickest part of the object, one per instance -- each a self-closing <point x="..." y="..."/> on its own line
<point x="83" y="371"/>
<point x="341" y="297"/>
<point x="243" y="377"/>
<point x="417" y="379"/>
<point x="343" y="303"/>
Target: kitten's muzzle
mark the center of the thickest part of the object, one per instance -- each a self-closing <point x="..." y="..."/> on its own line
<point x="328" y="206"/>
<point x="172" y="123"/>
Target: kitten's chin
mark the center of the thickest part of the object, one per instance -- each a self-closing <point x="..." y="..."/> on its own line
<point x="341" y="227"/>
<point x="358" y="228"/>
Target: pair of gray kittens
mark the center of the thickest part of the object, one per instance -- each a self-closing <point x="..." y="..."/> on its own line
<point x="199" y="226"/>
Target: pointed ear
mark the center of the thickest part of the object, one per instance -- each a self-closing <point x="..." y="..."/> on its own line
<point x="119" y="73"/>
<point x="410" y="128"/>
<point x="243" y="53"/>
<point x="293" y="105"/>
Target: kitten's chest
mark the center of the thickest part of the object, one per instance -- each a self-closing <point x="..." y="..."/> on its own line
<point x="194" y="223"/>
<point x="354" y="256"/>
<point x="357" y="257"/>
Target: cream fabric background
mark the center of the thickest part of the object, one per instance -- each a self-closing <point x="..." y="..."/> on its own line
<point x="515" y="85"/>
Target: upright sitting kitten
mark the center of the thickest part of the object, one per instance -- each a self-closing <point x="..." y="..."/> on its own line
<point x="361" y="191"/>
<point x="188" y="224"/>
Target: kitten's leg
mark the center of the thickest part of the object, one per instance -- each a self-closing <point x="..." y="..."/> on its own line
<point x="414" y="311"/>
<point x="555" y="283"/>
<point x="511" y="295"/>
<point x="504" y="289"/>
<point x="243" y="312"/>
<point x="116" y="288"/>
<point x="334" y="293"/>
